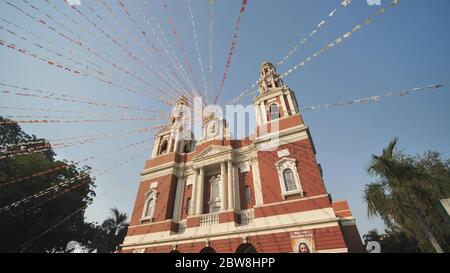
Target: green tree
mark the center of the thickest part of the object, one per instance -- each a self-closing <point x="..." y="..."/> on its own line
<point x="393" y="241"/>
<point x="407" y="195"/>
<point x="112" y="232"/>
<point x="24" y="223"/>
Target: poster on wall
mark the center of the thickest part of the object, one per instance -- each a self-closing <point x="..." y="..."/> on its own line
<point x="303" y="242"/>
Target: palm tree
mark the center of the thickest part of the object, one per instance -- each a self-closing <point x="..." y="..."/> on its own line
<point x="115" y="228"/>
<point x="407" y="194"/>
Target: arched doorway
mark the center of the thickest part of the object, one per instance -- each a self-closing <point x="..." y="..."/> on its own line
<point x="207" y="250"/>
<point x="246" y="248"/>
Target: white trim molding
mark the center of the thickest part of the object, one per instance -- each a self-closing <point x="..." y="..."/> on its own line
<point x="283" y="165"/>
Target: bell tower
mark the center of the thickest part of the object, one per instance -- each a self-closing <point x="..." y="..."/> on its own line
<point x="176" y="137"/>
<point x="276" y="100"/>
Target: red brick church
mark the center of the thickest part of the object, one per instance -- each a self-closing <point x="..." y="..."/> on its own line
<point x="220" y="195"/>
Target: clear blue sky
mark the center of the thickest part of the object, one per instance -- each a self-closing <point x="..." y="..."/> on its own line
<point x="405" y="48"/>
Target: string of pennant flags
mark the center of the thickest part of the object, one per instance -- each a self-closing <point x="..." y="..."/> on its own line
<point x="319" y="26"/>
<point x="153" y="46"/>
<point x="82" y="161"/>
<point x="160" y="37"/>
<point x="64" y="143"/>
<point x="131" y="55"/>
<point x="76" y="212"/>
<point x="211" y="32"/>
<point x="197" y="48"/>
<point x="68" y="182"/>
<point x="232" y="48"/>
<point x="67" y="98"/>
<point x="339" y="40"/>
<point x="366" y="100"/>
<point x="181" y="48"/>
<point x="85" y="44"/>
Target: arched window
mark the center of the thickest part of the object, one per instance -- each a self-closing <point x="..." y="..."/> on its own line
<point x="246" y="248"/>
<point x="274" y="112"/>
<point x="187" y="148"/>
<point x="163" y="147"/>
<point x="247" y="193"/>
<point x="188" y="206"/>
<point x="207" y="249"/>
<point x="289" y="180"/>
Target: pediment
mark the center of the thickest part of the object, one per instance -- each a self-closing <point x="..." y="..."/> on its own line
<point x="212" y="152"/>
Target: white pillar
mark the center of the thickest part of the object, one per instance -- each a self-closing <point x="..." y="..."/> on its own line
<point x="237" y="198"/>
<point x="283" y="103"/>
<point x="291" y="104"/>
<point x="223" y="187"/>
<point x="263" y="113"/>
<point x="156" y="146"/>
<point x="194" y="193"/>
<point x="178" y="204"/>
<point x="169" y="148"/>
<point x="177" y="143"/>
<point x="257" y="182"/>
<point x="200" y="188"/>
<point x="230" y="185"/>
<point x="258" y="116"/>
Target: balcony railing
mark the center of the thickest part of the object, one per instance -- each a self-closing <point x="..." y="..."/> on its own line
<point x="209" y="219"/>
<point x="247" y="217"/>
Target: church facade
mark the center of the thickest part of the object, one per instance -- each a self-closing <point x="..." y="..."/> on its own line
<point x="220" y="194"/>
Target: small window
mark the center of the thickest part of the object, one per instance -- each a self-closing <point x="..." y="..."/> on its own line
<point x="289" y="180"/>
<point x="269" y="85"/>
<point x="274" y="112"/>
<point x="247" y="195"/>
<point x="266" y="70"/>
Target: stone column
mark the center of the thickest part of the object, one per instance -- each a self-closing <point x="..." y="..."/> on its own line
<point x="200" y="188"/>
<point x="230" y="185"/>
<point x="170" y="145"/>
<point x="237" y="198"/>
<point x="257" y="182"/>
<point x="263" y="113"/>
<point x="291" y="104"/>
<point x="283" y="104"/>
<point x="223" y="187"/>
<point x="178" y="203"/>
<point x="156" y="147"/>
<point x="258" y="116"/>
<point x="194" y="193"/>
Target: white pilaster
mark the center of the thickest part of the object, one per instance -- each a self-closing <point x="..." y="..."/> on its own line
<point x="178" y="204"/>
<point x="223" y="187"/>
<point x="200" y="188"/>
<point x="258" y="116"/>
<point x="283" y="104"/>
<point x="194" y="193"/>
<point x="156" y="146"/>
<point x="262" y="108"/>
<point x="169" y="148"/>
<point x="291" y="104"/>
<point x="237" y="199"/>
<point x="257" y="182"/>
<point x="230" y="185"/>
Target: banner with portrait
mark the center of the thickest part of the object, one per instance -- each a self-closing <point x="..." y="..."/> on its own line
<point x="303" y="242"/>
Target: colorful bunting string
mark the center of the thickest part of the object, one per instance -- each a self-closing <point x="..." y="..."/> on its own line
<point x="232" y="49"/>
<point x="319" y="26"/>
